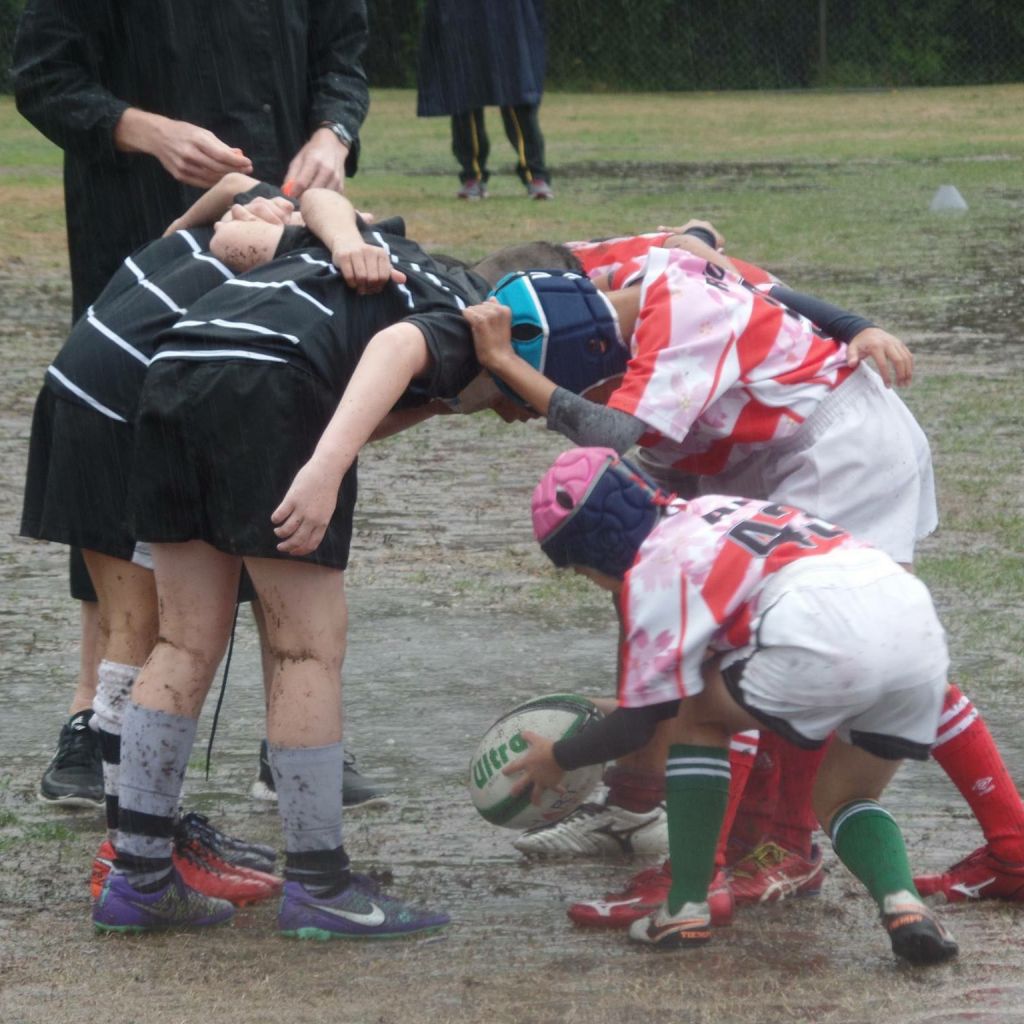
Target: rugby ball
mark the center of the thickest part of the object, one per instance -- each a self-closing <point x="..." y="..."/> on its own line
<point x="554" y="716"/>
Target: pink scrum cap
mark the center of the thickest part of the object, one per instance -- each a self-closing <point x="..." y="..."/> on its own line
<point x="594" y="509"/>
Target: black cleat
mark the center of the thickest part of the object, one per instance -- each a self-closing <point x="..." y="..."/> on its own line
<point x="914" y="932"/>
<point x="356" y="789"/>
<point x="74" y="778"/>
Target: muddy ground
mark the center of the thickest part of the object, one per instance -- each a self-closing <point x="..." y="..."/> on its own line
<point x="454" y="618"/>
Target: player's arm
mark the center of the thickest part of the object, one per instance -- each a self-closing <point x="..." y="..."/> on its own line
<point x="402" y="419"/>
<point x="864" y="340"/>
<point x="389" y="363"/>
<point x="622" y="732"/>
<point x="332" y="218"/>
<point x="214" y="202"/>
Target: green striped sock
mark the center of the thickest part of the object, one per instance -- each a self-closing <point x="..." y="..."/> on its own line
<point x="696" y="794"/>
<point x="869" y="842"/>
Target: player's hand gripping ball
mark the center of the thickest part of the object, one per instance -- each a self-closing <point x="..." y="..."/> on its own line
<point x="554" y="717"/>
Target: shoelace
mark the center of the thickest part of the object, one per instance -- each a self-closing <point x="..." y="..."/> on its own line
<point x="74" y="749"/>
<point x="767" y="855"/>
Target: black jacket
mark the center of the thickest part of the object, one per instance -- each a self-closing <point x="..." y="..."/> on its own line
<point x="480" y="53"/>
<point x="260" y="75"/>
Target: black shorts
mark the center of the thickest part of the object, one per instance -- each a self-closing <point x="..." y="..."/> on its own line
<point x="217" y="445"/>
<point x="76" y="487"/>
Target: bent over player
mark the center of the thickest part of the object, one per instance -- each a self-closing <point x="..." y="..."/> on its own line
<point x="742" y="614"/>
<point x="244" y="454"/>
<point x="727" y="388"/>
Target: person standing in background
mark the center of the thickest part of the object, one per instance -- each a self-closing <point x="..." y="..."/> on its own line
<point x="488" y="53"/>
<point x="153" y="103"/>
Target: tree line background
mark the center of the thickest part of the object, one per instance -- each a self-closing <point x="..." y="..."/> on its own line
<point x="669" y="45"/>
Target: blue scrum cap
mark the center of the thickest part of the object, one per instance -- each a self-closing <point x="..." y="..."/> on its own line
<point x="563" y="327"/>
<point x="594" y="509"/>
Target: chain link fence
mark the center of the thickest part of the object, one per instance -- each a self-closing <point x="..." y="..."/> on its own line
<point x="667" y="45"/>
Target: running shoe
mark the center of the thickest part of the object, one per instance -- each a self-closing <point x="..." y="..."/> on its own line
<point x="690" y="926"/>
<point x="120" y="908"/>
<point x="360" y="911"/>
<point x="643" y="895"/>
<point x="914" y="932"/>
<point x="538" y="188"/>
<point x="979" y="876"/>
<point x="599" y="830"/>
<point x="237" y="852"/>
<point x="472" y="188"/>
<point x="771" y="873"/>
<point x="357" y="792"/>
<point x="74" y="777"/>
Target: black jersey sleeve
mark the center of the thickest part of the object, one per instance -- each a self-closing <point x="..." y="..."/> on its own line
<point x="621" y="732"/>
<point x="452" y="356"/>
<point x="835" y="322"/>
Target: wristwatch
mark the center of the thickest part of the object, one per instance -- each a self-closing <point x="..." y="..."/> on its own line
<point x="343" y="134"/>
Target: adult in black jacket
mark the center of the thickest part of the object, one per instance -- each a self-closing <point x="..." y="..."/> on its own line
<point x="153" y="103"/>
<point x="486" y="53"/>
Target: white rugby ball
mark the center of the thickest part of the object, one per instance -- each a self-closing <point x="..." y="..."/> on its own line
<point x="554" y="716"/>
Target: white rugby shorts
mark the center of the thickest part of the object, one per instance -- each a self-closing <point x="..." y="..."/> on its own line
<point x="860" y="461"/>
<point x="849" y="643"/>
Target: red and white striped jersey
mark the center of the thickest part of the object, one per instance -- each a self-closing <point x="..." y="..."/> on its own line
<point x="609" y="254"/>
<point x="697" y="583"/>
<point x="625" y="259"/>
<point x="718" y="367"/>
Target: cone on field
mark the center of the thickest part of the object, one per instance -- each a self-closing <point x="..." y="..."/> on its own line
<point x="947" y="199"/>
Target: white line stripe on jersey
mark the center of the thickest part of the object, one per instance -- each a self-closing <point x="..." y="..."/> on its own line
<point x="149" y="286"/>
<point x="231" y="325"/>
<point x="190" y="240"/>
<point x="380" y="240"/>
<point x="408" y="295"/>
<point x="216" y="353"/>
<point x="318" y="263"/>
<point x="115" y="338"/>
<point x="213" y="261"/>
<point x="290" y="285"/>
<point x="88" y="399"/>
<point x="951" y="734"/>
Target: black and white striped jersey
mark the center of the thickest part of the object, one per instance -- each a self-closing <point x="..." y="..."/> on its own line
<point x="103" y="362"/>
<point x="297" y="309"/>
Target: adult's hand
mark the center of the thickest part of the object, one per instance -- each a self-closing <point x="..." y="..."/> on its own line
<point x="319" y="164"/>
<point x="188" y="153"/>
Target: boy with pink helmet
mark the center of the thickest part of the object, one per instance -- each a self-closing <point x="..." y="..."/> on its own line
<point x="717" y="597"/>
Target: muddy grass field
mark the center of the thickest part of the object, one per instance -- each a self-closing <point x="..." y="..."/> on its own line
<point x="455" y="617"/>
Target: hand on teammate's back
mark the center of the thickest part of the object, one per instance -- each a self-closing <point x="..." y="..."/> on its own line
<point x="366" y="268"/>
<point x="884" y="350"/>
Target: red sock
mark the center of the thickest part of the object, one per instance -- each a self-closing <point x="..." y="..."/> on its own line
<point x="757" y="806"/>
<point x="634" y="791"/>
<point x="970" y="757"/>
<point x="742" y="754"/>
<point x="794" y="820"/>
